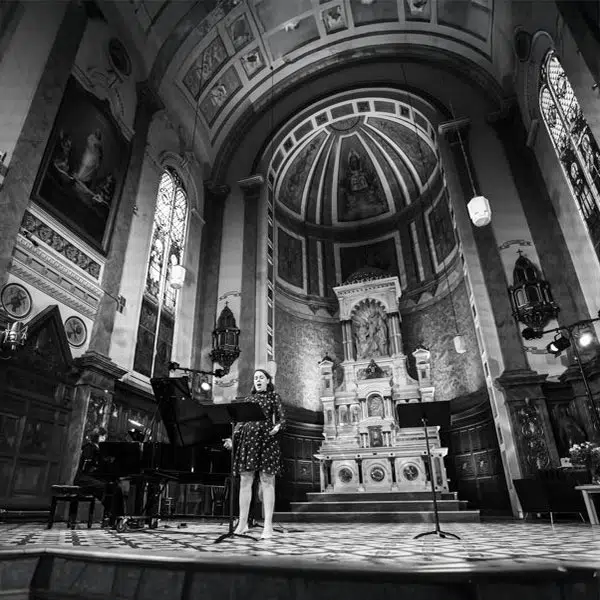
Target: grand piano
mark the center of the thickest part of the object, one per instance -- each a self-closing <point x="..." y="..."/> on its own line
<point x="194" y="454"/>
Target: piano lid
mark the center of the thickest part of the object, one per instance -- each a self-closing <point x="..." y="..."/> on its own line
<point x="186" y="421"/>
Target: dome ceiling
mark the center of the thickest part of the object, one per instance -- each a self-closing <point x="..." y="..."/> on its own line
<point x="359" y="159"/>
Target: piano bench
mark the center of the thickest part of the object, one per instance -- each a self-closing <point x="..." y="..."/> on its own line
<point x="73" y="494"/>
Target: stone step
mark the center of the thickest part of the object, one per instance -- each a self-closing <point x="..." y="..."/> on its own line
<point x="378" y="506"/>
<point x="377" y="496"/>
<point x="458" y="516"/>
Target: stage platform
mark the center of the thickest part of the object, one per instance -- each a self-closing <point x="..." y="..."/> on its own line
<point x="491" y="561"/>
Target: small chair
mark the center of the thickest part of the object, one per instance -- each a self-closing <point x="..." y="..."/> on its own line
<point x="73" y="494"/>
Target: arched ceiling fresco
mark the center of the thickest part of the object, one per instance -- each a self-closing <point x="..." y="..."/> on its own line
<point x="211" y="59"/>
<point x="360" y="157"/>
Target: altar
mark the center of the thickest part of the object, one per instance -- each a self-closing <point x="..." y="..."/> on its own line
<point x="365" y="448"/>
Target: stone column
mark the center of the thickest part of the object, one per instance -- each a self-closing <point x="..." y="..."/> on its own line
<point x="29" y="149"/>
<point x="93" y="401"/>
<point x="147" y="104"/>
<point x="347" y="340"/>
<point x="395" y="333"/>
<point x="208" y="276"/>
<point x="511" y="347"/>
<point x="546" y="234"/>
<point x="322" y="475"/>
<point x="251" y="188"/>
<point x="497" y="335"/>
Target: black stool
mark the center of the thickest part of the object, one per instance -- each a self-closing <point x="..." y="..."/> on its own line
<point x="73" y="494"/>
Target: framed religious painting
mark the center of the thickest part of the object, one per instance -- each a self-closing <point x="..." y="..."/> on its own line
<point x="83" y="168"/>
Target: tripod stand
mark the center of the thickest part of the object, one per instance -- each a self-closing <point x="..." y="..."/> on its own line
<point x="419" y="414"/>
<point x="239" y="412"/>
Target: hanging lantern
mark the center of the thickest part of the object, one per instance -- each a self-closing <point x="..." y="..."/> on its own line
<point x="177" y="277"/>
<point x="479" y="211"/>
<point x="531" y="297"/>
<point x="459" y="344"/>
<point x="225" y="340"/>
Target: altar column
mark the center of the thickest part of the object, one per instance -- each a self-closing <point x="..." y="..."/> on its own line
<point x="395" y="333"/>
<point x="347" y="340"/>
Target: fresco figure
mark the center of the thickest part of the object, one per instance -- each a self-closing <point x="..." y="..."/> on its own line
<point x="360" y="192"/>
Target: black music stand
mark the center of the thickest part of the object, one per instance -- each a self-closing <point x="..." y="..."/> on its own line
<point x="421" y="414"/>
<point x="234" y="413"/>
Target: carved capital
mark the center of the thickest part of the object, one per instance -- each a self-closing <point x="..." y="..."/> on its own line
<point x="98" y="370"/>
<point x="251" y="185"/>
<point x="450" y="128"/>
<point x="216" y="191"/>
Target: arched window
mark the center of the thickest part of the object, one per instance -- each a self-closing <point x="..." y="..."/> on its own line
<point x="574" y="143"/>
<point x="157" y="318"/>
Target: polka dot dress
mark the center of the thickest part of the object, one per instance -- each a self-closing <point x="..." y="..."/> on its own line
<point x="255" y="449"/>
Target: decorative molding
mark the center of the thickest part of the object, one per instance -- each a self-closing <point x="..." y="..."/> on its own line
<point x="453" y="126"/>
<point x="37" y="228"/>
<point x="232" y="294"/>
<point x="35" y="250"/>
<point x="98" y="363"/>
<point x="385" y="291"/>
<point x="510" y="243"/>
<point x="57" y="282"/>
<point x="96" y="80"/>
<point x="253" y="183"/>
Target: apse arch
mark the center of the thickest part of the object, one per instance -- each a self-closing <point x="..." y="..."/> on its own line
<point x="439" y="79"/>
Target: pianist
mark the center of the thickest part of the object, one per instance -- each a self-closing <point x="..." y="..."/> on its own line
<point x="89" y="477"/>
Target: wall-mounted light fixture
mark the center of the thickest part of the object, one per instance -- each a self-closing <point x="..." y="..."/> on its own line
<point x="177" y="277"/>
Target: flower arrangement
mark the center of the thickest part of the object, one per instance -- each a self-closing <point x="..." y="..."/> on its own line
<point x="586" y="454"/>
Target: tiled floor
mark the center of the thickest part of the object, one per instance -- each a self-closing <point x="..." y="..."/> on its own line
<point x="482" y="545"/>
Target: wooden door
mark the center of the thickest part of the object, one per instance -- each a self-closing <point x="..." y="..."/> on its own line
<point x="35" y="409"/>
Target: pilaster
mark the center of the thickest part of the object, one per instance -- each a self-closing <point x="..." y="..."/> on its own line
<point x="251" y="188"/>
<point x="208" y="278"/>
<point x="93" y="402"/>
<point x="530" y="421"/>
<point x="29" y="149"/>
<point x="147" y="104"/>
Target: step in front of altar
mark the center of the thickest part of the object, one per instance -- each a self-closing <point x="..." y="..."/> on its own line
<point x="459" y="516"/>
<point x="379" y="507"/>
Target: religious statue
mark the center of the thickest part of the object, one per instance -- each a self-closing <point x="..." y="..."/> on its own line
<point x="370" y="332"/>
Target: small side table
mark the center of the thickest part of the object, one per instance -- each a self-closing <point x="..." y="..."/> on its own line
<point x="587" y="491"/>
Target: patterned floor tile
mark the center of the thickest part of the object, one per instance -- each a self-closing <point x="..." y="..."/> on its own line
<point x="376" y="544"/>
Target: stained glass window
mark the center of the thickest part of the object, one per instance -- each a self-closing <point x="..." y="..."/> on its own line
<point x="574" y="143"/>
<point x="157" y="319"/>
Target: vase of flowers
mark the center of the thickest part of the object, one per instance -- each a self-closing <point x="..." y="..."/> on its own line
<point x="587" y="454"/>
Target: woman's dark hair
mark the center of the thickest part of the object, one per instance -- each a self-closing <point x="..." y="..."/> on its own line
<point x="270" y="386"/>
<point x="96" y="433"/>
